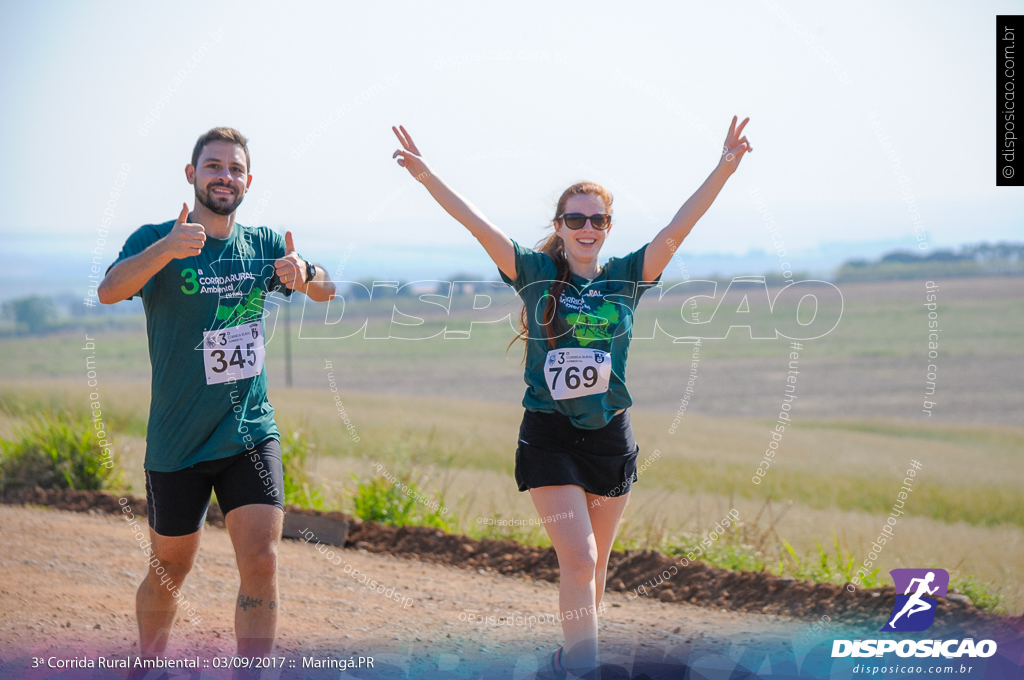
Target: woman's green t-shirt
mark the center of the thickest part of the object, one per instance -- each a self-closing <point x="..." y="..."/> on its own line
<point x="593" y="314"/>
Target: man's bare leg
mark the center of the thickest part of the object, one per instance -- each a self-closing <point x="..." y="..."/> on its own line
<point x="155" y="606"/>
<point x="255" y="533"/>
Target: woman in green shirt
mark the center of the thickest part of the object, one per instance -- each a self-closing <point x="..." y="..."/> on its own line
<point x="576" y="454"/>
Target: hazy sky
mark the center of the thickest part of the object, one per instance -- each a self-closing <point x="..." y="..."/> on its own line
<point x="510" y="105"/>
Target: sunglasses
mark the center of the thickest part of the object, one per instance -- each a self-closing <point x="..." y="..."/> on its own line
<point x="577" y="220"/>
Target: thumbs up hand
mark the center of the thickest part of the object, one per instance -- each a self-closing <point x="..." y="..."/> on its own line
<point x="291" y="269"/>
<point x="186" y="239"/>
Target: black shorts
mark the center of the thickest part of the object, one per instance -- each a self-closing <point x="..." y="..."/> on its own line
<point x="177" y="501"/>
<point x="553" y="452"/>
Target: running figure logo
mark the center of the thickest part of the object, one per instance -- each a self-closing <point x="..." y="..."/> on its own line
<point x="916" y="611"/>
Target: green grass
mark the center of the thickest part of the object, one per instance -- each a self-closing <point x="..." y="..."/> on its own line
<point x="804" y="480"/>
<point x="397" y="503"/>
<point x="26" y="403"/>
<point x="986" y="435"/>
<point x="983" y="595"/>
<point x="755" y="546"/>
<point x="883" y="271"/>
<point x="873" y="327"/>
<point x="971" y="475"/>
<point x="296" y="457"/>
<point x="57" y="451"/>
<point x="838" y="568"/>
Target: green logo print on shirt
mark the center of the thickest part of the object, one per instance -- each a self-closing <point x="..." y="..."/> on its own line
<point x="248" y="309"/>
<point x="597" y="326"/>
<point x="190" y="278"/>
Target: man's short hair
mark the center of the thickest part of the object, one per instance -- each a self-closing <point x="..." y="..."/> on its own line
<point x="221" y="134"/>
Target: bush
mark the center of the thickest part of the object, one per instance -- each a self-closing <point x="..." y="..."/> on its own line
<point x="822" y="568"/>
<point x="57" y="452"/>
<point x="981" y="594"/>
<point x="295" y="458"/>
<point x="747" y="546"/>
<point x="737" y="548"/>
<point x="396" y="503"/>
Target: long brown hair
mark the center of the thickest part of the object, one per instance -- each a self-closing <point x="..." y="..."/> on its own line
<point x="553" y="247"/>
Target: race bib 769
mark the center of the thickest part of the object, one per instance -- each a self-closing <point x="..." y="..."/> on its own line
<point x="577" y="372"/>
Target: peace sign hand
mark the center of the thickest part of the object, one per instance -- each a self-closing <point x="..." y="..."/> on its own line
<point x="411" y="159"/>
<point x="735" y="146"/>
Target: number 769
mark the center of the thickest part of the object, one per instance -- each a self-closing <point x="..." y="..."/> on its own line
<point x="572" y="376"/>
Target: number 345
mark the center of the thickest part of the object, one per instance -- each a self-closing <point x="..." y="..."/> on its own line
<point x="235" y="360"/>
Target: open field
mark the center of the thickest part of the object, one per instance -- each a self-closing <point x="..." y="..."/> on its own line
<point x="450" y="410"/>
<point x="873" y="365"/>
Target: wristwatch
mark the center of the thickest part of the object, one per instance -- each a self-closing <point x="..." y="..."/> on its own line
<point x="310" y="271"/>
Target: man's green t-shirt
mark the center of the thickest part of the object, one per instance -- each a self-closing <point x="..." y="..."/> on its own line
<point x="190" y="420"/>
<point x="592" y="314"/>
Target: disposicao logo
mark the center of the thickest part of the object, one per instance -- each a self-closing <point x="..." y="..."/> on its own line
<point x="914" y="611"/>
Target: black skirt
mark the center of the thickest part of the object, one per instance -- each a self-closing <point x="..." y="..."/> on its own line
<point x="554" y="452"/>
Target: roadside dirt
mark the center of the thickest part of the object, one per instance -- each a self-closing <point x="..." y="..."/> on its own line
<point x="69" y="583"/>
<point x="664" y="578"/>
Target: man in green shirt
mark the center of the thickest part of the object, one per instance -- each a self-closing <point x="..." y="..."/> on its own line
<point x="203" y="279"/>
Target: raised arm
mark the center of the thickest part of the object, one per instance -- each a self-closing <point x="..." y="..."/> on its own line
<point x="127" y="277"/>
<point x="659" y="252"/>
<point x="495" y="242"/>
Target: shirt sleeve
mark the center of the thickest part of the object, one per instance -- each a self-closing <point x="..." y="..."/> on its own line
<point x="634" y="271"/>
<point x="141" y="238"/>
<point x="531" y="266"/>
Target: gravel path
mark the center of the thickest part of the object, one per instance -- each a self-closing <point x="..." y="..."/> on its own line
<point x="69" y="580"/>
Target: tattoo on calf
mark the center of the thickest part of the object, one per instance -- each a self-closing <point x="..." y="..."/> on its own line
<point x="246" y="602"/>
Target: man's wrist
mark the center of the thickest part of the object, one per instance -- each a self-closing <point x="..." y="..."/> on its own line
<point x="310" y="271"/>
<point x="161" y="252"/>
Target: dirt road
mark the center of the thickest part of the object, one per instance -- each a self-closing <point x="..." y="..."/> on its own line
<point x="69" y="580"/>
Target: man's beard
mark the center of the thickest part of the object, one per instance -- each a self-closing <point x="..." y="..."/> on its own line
<point x="217" y="205"/>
